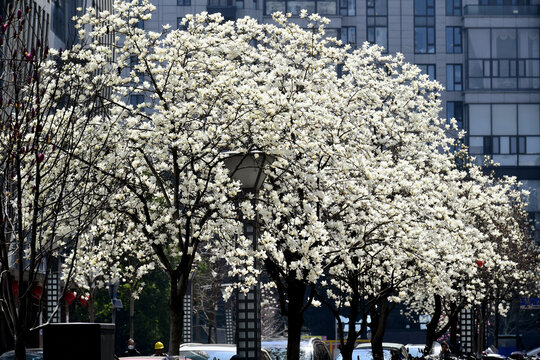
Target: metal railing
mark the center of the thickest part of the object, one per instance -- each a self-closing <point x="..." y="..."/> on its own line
<point x="221" y="3"/>
<point x="502" y="10"/>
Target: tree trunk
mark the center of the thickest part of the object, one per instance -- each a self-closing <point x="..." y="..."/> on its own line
<point x="496" y="326"/>
<point x="178" y="290"/>
<point x="453" y="320"/>
<point x="431" y="334"/>
<point x="379" y="315"/>
<point x="131" y="312"/>
<point x="91" y="309"/>
<point x="20" y="345"/>
<point x="347" y="347"/>
<point x="295" y="317"/>
<point x="23" y="323"/>
<point x="481" y="342"/>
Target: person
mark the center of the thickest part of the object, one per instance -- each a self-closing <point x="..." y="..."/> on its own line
<point x="159" y="349"/>
<point x="131" y="350"/>
<point x="445" y="351"/>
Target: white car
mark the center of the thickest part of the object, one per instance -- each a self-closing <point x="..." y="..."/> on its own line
<point x="417" y="350"/>
<point x="534" y="353"/>
<point x="198" y="351"/>
<point x="363" y="351"/>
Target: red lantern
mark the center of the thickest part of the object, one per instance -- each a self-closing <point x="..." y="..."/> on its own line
<point x="69" y="297"/>
<point x="480" y="263"/>
<point x="37" y="291"/>
<point x="15" y="287"/>
<point x="83" y="301"/>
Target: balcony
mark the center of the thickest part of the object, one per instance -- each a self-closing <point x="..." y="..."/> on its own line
<point x="227" y="8"/>
<point x="502" y="10"/>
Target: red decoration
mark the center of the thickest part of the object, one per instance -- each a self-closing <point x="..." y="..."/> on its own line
<point x="480" y="263"/>
<point x="69" y="297"/>
<point x="83" y="301"/>
<point x="37" y="291"/>
<point x="15" y="287"/>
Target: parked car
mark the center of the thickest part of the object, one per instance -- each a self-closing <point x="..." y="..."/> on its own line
<point x="418" y="349"/>
<point x="31" y="354"/>
<point x="196" y="351"/>
<point x="312" y="349"/>
<point x="363" y="351"/>
<point x="150" y="357"/>
<point x="534" y="353"/>
<point x="415" y="351"/>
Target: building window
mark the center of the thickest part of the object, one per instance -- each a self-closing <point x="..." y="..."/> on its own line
<point x="428" y="69"/>
<point x="424" y="26"/>
<point x="348" y="35"/>
<point x="133" y="62"/>
<point x="347" y="7"/>
<point x="136" y="99"/>
<point x="377" y="22"/>
<point x="454" y="77"/>
<point x="183" y="2"/>
<point x="453" y="7"/>
<point x="321" y="7"/>
<point x="454" y="44"/>
<point x="509" y="133"/>
<point x="503" y="58"/>
<point x="454" y="109"/>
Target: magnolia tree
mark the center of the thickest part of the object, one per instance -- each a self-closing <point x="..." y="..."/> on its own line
<point x="357" y="166"/>
<point x="203" y="97"/>
<point x="360" y="177"/>
<point x="500" y="259"/>
<point x="52" y="135"/>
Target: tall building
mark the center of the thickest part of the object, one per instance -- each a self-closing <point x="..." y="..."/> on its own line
<point x="485" y="52"/>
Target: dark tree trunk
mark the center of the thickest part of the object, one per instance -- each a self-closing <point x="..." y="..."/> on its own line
<point x="178" y="290"/>
<point x="347" y="346"/>
<point x="296" y="291"/>
<point x="482" y="317"/>
<point x="496" y="326"/>
<point x="23" y="324"/>
<point x="131" y="313"/>
<point x="379" y="315"/>
<point x="453" y="322"/>
<point x="432" y="334"/>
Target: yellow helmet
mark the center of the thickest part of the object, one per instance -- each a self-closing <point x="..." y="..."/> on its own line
<point x="158" y="346"/>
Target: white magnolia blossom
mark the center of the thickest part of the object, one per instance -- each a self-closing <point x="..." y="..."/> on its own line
<point x="361" y="184"/>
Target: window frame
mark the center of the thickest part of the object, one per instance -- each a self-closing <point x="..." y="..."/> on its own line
<point x="375" y="22"/>
<point x="425" y="21"/>
<point x="490" y="71"/>
<point x="455" y="81"/>
<point x="453" y="9"/>
<point x="454" y="33"/>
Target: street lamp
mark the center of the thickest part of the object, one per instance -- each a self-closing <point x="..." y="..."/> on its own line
<point x="249" y="170"/>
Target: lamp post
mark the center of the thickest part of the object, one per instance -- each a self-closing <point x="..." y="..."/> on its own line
<point x="248" y="169"/>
